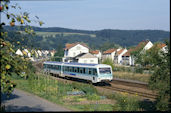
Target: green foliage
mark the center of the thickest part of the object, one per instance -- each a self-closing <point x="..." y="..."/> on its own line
<point x="10" y="62"/>
<point x="93" y="97"/>
<point x="159" y="62"/>
<point x="125" y="102"/>
<point x="50" y="38"/>
<point x="108" y="61"/>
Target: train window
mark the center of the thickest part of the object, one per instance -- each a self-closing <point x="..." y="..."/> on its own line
<point x="75" y="69"/>
<point x="72" y="69"/>
<point x="78" y="69"/>
<point x="81" y="70"/>
<point x="89" y="71"/>
<point x="84" y="70"/>
<point x="94" y="71"/>
<point x="104" y="70"/>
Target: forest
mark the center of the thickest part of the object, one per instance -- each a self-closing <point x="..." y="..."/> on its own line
<point x="53" y="37"/>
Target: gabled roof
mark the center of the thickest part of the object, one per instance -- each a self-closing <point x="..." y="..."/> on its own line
<point x="84" y="55"/>
<point x="142" y="44"/>
<point x="128" y="53"/>
<point x="161" y="45"/>
<point x="109" y="51"/>
<point x="95" y="52"/>
<point x="68" y="45"/>
<point x="119" y="52"/>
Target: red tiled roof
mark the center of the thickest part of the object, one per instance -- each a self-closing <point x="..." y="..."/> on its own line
<point x="119" y="52"/>
<point x="95" y="52"/>
<point x="143" y="43"/>
<point x="161" y="45"/>
<point x="128" y="53"/>
<point x="109" y="51"/>
<point x="68" y="45"/>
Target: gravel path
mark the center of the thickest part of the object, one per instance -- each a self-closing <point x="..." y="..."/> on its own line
<point x="21" y="101"/>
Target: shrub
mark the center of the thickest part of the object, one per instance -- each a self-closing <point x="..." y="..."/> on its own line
<point x="108" y="61"/>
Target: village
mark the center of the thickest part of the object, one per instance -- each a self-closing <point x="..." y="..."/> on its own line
<point x="81" y="53"/>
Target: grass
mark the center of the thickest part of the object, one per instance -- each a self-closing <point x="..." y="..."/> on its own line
<point x="56" y="92"/>
<point x="132" y="76"/>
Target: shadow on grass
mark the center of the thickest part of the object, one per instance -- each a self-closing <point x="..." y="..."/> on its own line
<point x="147" y="105"/>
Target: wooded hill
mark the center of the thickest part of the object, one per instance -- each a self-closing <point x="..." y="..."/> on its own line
<point x="53" y="37"/>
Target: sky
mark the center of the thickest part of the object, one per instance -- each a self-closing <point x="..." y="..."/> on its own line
<point x="100" y="14"/>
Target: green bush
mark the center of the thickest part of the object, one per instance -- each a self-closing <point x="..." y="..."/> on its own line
<point x="108" y="61"/>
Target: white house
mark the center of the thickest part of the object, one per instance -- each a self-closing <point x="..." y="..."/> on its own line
<point x="127" y="59"/>
<point x="39" y="53"/>
<point x="162" y="47"/>
<point x="26" y="53"/>
<point x="74" y="49"/>
<point x="86" y="58"/>
<point x="97" y="54"/>
<point x="19" y="52"/>
<point x="110" y="53"/>
<point x="118" y="56"/>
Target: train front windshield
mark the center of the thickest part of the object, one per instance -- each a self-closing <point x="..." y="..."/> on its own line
<point x="104" y="71"/>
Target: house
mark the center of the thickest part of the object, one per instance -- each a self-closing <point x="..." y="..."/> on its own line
<point x="128" y="59"/>
<point x="74" y="49"/>
<point x="39" y="53"/>
<point x="26" y="53"/>
<point x="162" y="47"/>
<point x="85" y="58"/>
<point x="118" y="56"/>
<point x="145" y="45"/>
<point x="19" y="52"/>
<point x="52" y="52"/>
<point x="110" y="53"/>
<point x="97" y="54"/>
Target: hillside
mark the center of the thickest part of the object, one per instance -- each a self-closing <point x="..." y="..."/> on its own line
<point x="49" y="38"/>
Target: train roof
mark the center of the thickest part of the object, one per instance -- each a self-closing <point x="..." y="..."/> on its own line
<point x="76" y="64"/>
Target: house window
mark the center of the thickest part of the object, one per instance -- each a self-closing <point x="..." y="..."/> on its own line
<point x="74" y="54"/>
<point x="85" y="61"/>
<point x="91" y="60"/>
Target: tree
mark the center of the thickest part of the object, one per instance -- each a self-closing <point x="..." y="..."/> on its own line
<point x="160" y="79"/>
<point x="158" y="62"/>
<point x="10" y="62"/>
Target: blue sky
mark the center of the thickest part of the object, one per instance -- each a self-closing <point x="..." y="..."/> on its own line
<point x="101" y="14"/>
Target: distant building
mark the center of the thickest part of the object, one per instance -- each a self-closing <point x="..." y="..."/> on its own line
<point x="86" y="58"/>
<point x="97" y="54"/>
<point x="74" y="49"/>
<point x="19" y="52"/>
<point x="110" y="53"/>
<point x="118" y="56"/>
<point x="128" y="59"/>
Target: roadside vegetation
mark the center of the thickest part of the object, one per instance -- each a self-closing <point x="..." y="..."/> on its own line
<point x="77" y="96"/>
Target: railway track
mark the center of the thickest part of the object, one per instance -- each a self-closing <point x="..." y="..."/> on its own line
<point x="133" y="92"/>
<point x="130" y="83"/>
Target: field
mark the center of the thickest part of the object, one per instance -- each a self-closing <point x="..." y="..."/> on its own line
<point x="131" y="76"/>
<point x="46" y="34"/>
<point x="77" y="96"/>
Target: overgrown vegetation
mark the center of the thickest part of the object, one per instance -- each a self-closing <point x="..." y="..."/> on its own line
<point x="108" y="61"/>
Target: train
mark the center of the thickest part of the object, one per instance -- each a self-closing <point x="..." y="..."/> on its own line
<point x="94" y="73"/>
